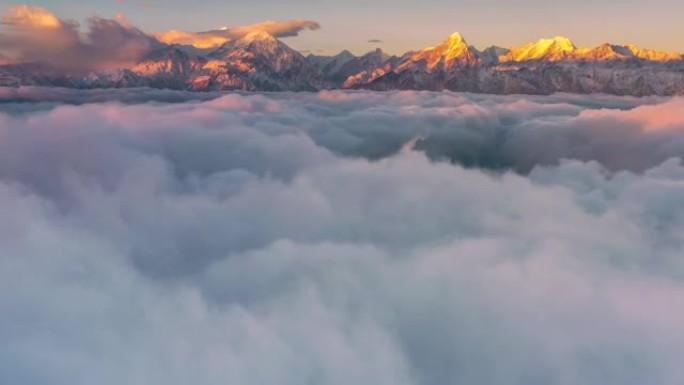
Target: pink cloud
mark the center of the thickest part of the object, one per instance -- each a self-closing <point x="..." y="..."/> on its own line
<point x="34" y="34"/>
<point x="662" y="117"/>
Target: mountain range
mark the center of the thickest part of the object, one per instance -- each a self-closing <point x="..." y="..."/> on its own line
<point x="260" y="62"/>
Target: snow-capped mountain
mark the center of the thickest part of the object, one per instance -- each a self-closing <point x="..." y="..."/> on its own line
<point x="336" y="69"/>
<point x="256" y="62"/>
<point x="454" y="52"/>
<point x="260" y="62"/>
<point x="167" y="68"/>
<point x="330" y="66"/>
<point x="555" y="49"/>
<point x="543" y="67"/>
<point x="561" y="48"/>
<point x="453" y="64"/>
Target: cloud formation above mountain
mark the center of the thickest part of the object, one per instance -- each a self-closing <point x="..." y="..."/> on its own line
<point x="33" y="34"/>
<point x="214" y="38"/>
<point x="307" y="238"/>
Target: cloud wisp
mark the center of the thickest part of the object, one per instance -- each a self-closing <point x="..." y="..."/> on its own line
<point x="297" y="238"/>
<point x="214" y="38"/>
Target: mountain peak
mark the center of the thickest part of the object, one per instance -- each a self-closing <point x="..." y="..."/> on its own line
<point x="454" y="47"/>
<point x="454" y="51"/>
<point x="379" y="53"/>
<point x="344" y="56"/>
<point x="554" y="48"/>
<point x="553" y="45"/>
<point x="456" y="36"/>
<point x="563" y="43"/>
<point x="455" y="39"/>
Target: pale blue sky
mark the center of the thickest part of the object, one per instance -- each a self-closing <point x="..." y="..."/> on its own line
<point x="404" y="25"/>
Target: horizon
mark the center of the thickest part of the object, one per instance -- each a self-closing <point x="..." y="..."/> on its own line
<point x="515" y="27"/>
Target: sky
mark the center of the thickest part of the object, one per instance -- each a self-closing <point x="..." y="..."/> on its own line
<point x="404" y="25"/>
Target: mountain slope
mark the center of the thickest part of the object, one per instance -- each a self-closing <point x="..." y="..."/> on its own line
<point x="557" y="48"/>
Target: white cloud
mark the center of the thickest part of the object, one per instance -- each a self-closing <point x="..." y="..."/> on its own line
<point x="249" y="239"/>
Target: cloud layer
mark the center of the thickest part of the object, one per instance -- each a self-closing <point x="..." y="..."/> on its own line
<point x="337" y="238"/>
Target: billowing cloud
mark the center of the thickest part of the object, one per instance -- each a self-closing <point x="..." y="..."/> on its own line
<point x="336" y="238"/>
<point x="215" y="38"/>
<point x="33" y="34"/>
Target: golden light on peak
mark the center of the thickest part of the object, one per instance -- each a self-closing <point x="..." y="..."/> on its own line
<point x="561" y="48"/>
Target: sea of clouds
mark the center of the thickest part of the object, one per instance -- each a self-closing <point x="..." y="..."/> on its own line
<point x="157" y="237"/>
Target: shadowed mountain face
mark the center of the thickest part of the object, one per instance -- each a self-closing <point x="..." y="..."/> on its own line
<point x="337" y="69"/>
<point x="260" y="62"/>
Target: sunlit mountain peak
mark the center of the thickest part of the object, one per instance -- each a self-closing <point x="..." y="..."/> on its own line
<point x="456" y="38"/>
<point x="454" y="51"/>
<point x="551" y="49"/>
<point x="651" y="54"/>
<point x="454" y="46"/>
<point x="562" y="48"/>
<point x="560" y="42"/>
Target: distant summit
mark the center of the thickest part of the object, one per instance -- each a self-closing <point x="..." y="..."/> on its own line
<point x="557" y="48"/>
<point x="452" y="51"/>
<point x="561" y="48"/>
